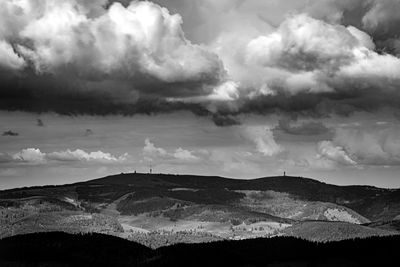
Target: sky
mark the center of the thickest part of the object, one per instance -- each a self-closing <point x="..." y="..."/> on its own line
<point x="236" y="88"/>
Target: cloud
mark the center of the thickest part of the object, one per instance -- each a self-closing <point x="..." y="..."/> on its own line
<point x="307" y="55"/>
<point x="39" y="123"/>
<point x="10" y="133"/>
<point x="74" y="51"/>
<point x="206" y="20"/>
<point x="9" y="59"/>
<point x="183" y="154"/>
<point x="377" y="17"/>
<point x="130" y="42"/>
<point x="227" y="91"/>
<point x="30" y="155"/>
<point x="371" y="147"/>
<point x="36" y="156"/>
<point x="81" y="155"/>
<point x="224" y="120"/>
<point x="328" y="150"/>
<point x="151" y="150"/>
<point x="215" y="59"/>
<point x="153" y="153"/>
<point x="305" y="128"/>
<point x="314" y="67"/>
<point x="263" y="139"/>
<point x="382" y="15"/>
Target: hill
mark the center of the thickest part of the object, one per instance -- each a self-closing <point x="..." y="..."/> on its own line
<point x="60" y="249"/>
<point x="371" y="202"/>
<point x="161" y="209"/>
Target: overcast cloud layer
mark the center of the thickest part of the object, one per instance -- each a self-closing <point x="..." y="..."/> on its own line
<point x="214" y="58"/>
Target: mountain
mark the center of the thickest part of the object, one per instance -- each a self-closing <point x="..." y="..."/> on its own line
<point x="160" y="209"/>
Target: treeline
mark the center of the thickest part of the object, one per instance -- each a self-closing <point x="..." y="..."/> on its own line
<point x="162" y="238"/>
<point x="61" y="249"/>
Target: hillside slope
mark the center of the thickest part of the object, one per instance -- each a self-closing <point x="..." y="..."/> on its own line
<point x="371" y="202"/>
<point x="168" y="209"/>
<point x="60" y="249"/>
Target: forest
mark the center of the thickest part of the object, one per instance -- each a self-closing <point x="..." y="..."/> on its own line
<point x="62" y="249"/>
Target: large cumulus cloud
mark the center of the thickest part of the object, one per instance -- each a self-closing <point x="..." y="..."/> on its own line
<point x="99" y="57"/>
<point x="313" y="66"/>
<point x="140" y="40"/>
<point x="309" y="55"/>
<point x="73" y="49"/>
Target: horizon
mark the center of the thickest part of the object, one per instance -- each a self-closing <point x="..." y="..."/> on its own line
<point x="197" y="175"/>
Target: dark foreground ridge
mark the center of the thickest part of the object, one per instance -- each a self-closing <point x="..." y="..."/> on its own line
<point x="62" y="249"/>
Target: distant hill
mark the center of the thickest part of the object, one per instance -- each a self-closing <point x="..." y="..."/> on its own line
<point x="161" y="209"/>
<point x="372" y="202"/>
<point x="61" y="249"/>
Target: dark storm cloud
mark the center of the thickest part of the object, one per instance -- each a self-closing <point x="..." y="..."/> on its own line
<point x="98" y="103"/>
<point x="39" y="123"/>
<point x="319" y="105"/>
<point x="222" y="120"/>
<point x="10" y="133"/>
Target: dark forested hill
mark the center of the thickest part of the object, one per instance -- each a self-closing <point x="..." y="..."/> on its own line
<point x="60" y="249"/>
<point x="371" y="202"/>
<point x="185" y="208"/>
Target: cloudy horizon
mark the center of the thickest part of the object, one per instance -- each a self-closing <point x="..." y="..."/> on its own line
<point x="240" y="89"/>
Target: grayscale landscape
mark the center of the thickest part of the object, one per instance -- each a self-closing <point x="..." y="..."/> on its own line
<point x="160" y="210"/>
<point x="199" y="133"/>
